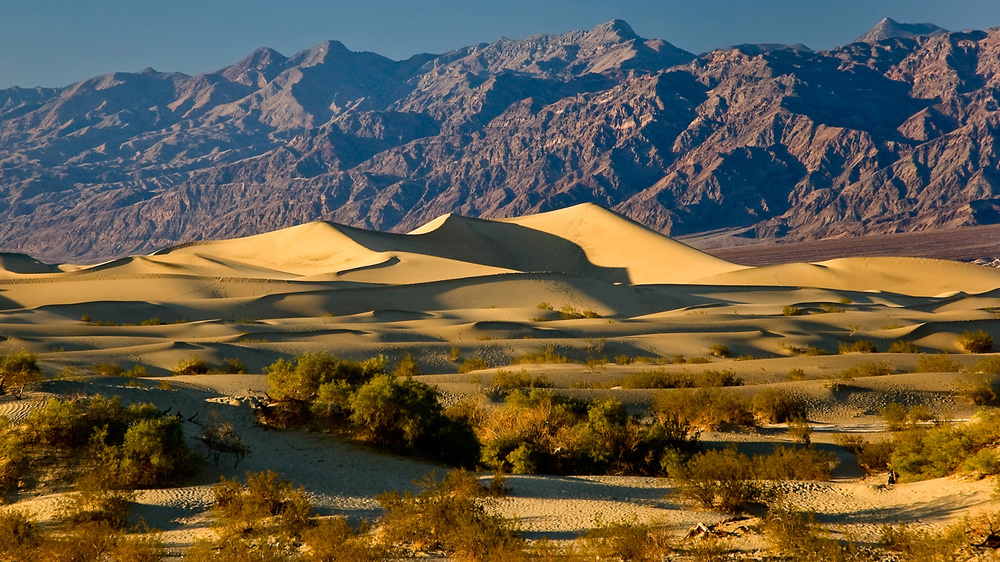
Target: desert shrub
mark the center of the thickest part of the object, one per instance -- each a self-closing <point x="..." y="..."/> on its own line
<point x="981" y="390"/>
<point x="456" y="353"/>
<point x="624" y="359"/>
<point x="939" y="451"/>
<point x="720" y="350"/>
<point x="129" y="447"/>
<point x="406" y="414"/>
<point x="473" y="364"/>
<point x="18" y="536"/>
<point x="546" y="355"/>
<point x="722" y="480"/>
<point x="234" y="366"/>
<point x="903" y="346"/>
<point x="263" y="504"/>
<point x="448" y="516"/>
<point x="505" y="381"/>
<point x="873" y="456"/>
<point x="923" y="545"/>
<point x="988" y="365"/>
<point x="800" y="430"/>
<point x="830" y="308"/>
<point x="795" y="463"/>
<point x="976" y="342"/>
<point x="626" y="540"/>
<point x="407" y="367"/>
<point x="221" y="439"/>
<point x="860" y="346"/>
<point x="939" y="363"/>
<point x="868" y="369"/>
<point x="108" y="369"/>
<point x="17" y="370"/>
<point x="657" y="378"/>
<point x="546" y="432"/>
<point x="335" y="540"/>
<point x="799" y="538"/>
<point x="792" y="311"/>
<point x="774" y="406"/>
<point x="191" y="366"/>
<point x="707" y="407"/>
<point x="715" y="378"/>
<point x="894" y="415"/>
<point x="304" y="379"/>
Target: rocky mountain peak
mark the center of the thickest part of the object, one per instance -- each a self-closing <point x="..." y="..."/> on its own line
<point x="889" y="28"/>
<point x="614" y="31"/>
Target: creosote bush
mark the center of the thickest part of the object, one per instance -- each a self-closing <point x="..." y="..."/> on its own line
<point x="473" y="364"/>
<point x="709" y="408"/>
<point x="774" y="406"/>
<point x="859" y="346"/>
<point x="868" y="369"/>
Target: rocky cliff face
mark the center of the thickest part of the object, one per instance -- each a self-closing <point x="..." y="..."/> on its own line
<point x="894" y="134"/>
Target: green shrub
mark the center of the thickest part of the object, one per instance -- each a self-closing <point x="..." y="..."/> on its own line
<point x="505" y="381"/>
<point x="406" y="367"/>
<point x="939" y="451"/>
<point x="976" y="342"/>
<point x="903" y="346"/>
<point x="792" y="311"/>
<point x="17" y="370"/>
<point x="657" y="378"/>
<point x="939" y="363"/>
<point x="774" y="406"/>
<point x="473" y="364"/>
<point x="261" y="505"/>
<point x="303" y="379"/>
<point x="234" y="366"/>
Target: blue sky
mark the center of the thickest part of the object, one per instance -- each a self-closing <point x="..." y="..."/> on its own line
<point x="57" y="42"/>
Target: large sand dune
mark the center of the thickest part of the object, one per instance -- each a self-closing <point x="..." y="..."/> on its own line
<point x="496" y="290"/>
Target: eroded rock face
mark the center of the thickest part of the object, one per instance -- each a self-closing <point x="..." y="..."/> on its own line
<point x="894" y="134"/>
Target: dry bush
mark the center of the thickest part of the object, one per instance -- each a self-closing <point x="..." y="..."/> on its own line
<point x="981" y="390"/>
<point x="868" y="369"/>
<point x="774" y="406"/>
<point x="720" y="350"/>
<point x="627" y="540"/>
<point x="795" y="463"/>
<point x="473" y="364"/>
<point x="545" y="355"/>
<point x="903" y="346"/>
<point x="873" y="456"/>
<point x="335" y="540"/>
<point x="939" y="363"/>
<point x="976" y="342"/>
<point x="505" y="381"/>
<point x="448" y="516"/>
<point x="707" y="407"/>
<point x="860" y="346"/>
<point x="191" y="366"/>
<point x="17" y="370"/>
<point x="922" y="545"/>
<point x="656" y="378"/>
<point x="722" y="480"/>
<point x="18" y="536"/>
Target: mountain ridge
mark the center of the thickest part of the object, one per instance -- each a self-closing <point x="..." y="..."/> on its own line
<point x="769" y="142"/>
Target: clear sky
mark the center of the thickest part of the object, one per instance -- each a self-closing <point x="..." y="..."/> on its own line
<point x="57" y="42"/>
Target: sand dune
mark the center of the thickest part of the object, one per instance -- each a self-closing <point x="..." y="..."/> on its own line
<point x="581" y="282"/>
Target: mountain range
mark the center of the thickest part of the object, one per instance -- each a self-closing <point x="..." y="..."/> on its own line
<point x="893" y="133"/>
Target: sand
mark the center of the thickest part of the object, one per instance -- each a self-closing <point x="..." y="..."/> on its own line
<point x="496" y="289"/>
